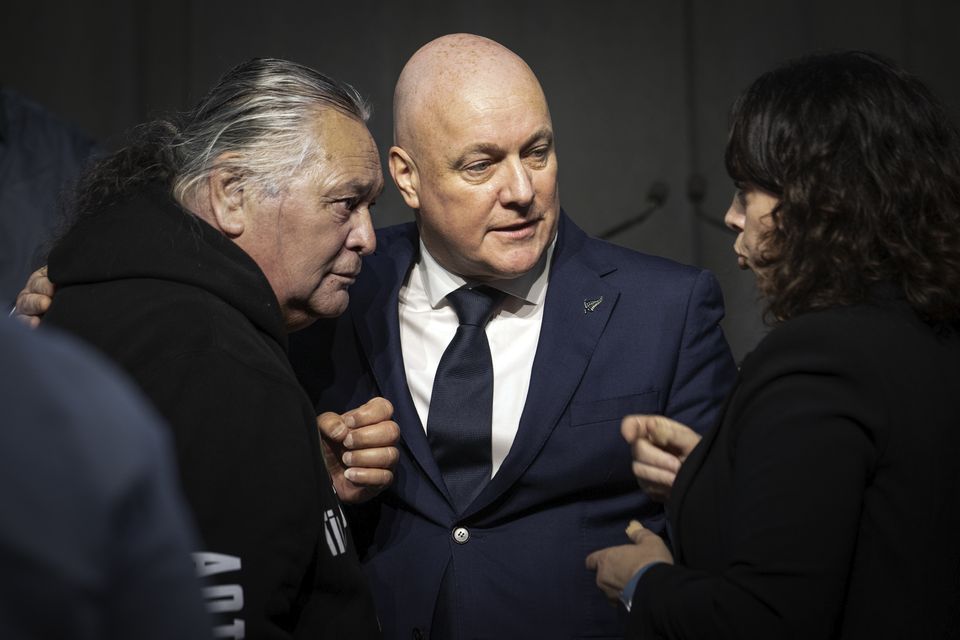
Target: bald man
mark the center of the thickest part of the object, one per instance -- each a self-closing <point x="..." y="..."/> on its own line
<point x="584" y="333"/>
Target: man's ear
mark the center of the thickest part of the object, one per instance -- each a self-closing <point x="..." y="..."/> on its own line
<point x="227" y="199"/>
<point x="405" y="176"/>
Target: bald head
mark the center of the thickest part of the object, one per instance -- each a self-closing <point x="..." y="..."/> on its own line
<point x="474" y="157"/>
<point x="454" y="70"/>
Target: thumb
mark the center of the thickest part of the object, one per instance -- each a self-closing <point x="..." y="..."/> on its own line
<point x="635" y="531"/>
<point x="333" y="426"/>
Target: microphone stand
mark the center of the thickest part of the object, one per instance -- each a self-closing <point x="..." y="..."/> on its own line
<point x="656" y="197"/>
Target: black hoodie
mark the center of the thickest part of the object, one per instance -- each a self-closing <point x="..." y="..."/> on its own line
<point x="193" y="319"/>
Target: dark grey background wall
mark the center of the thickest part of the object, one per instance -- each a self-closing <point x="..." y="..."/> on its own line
<point x="639" y="89"/>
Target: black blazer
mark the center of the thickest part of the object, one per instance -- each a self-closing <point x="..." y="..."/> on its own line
<point x="827" y="503"/>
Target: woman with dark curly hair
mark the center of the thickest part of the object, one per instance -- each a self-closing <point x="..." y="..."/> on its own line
<point x="826" y="504"/>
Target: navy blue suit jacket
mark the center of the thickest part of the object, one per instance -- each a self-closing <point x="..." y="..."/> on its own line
<point x="653" y="345"/>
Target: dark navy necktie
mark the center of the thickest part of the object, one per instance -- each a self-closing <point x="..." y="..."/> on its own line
<point x="461" y="404"/>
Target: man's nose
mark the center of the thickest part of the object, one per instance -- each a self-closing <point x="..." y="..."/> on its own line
<point x="517" y="189"/>
<point x="362" y="238"/>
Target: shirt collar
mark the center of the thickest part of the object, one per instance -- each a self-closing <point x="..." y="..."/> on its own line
<point x="531" y="287"/>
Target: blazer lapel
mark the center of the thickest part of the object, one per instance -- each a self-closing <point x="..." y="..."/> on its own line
<point x="375" y="310"/>
<point x="578" y="304"/>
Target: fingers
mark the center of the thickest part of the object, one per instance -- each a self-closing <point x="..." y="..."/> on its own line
<point x="359" y="449"/>
<point x="378" y="458"/>
<point x="359" y="430"/>
<point x="634" y="427"/>
<point x="648" y="453"/>
<point x="593" y="560"/>
<point x="371" y="454"/>
<point x="635" y="531"/>
<point x="655" y="469"/>
<point x="333" y="426"/>
<point x="382" y="434"/>
<point x="39" y="283"/>
<point x="373" y="478"/>
<point x="673" y="436"/>
<point x="656" y="483"/>
<point x="615" y="566"/>
<point x="35" y="298"/>
<point x="369" y="437"/>
<point x="374" y="411"/>
<point x="613" y="569"/>
<point x="597" y="561"/>
<point x="661" y="432"/>
<point x="640" y="425"/>
<point x="32" y="304"/>
<point x="355" y="427"/>
<point x="371" y="446"/>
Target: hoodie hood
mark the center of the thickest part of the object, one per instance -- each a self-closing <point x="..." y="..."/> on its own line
<point x="149" y="235"/>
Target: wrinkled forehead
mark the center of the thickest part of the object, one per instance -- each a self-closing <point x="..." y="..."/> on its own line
<point x="342" y="143"/>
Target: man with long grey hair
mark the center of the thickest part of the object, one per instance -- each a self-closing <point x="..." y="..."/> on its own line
<point x="194" y="252"/>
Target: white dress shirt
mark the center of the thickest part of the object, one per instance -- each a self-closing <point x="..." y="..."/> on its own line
<point x="428" y="323"/>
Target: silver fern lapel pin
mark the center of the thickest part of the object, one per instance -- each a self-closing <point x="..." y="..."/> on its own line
<point x="591" y="305"/>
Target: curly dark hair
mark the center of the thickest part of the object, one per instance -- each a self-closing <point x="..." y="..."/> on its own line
<point x="865" y="163"/>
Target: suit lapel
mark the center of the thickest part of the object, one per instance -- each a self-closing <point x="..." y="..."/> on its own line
<point x="375" y="310"/>
<point x="574" y="318"/>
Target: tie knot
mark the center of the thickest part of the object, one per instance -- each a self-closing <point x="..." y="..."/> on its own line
<point x="475" y="306"/>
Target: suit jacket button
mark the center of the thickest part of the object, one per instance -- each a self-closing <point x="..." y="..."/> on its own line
<point x="461" y="535"/>
<point x="417" y="634"/>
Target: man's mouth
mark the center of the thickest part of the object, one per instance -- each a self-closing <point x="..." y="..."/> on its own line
<point x="348" y="275"/>
<point x="519" y="230"/>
